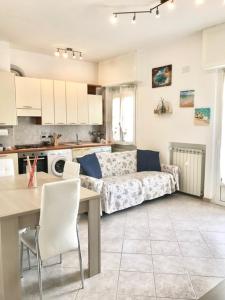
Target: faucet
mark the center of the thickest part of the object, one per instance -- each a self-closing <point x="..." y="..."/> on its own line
<point x="77" y="139"/>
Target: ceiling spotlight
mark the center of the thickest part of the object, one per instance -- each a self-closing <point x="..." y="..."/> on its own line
<point x="81" y="56"/>
<point x="157" y="14"/>
<point x="65" y="54"/>
<point x="134" y="19"/>
<point x="199" y="2"/>
<point x="74" y="55"/>
<point x="57" y="53"/>
<point x="114" y="19"/>
<point x="171" y="4"/>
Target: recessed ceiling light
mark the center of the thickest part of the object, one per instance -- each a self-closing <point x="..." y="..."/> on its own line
<point x="171" y="4"/>
<point x="157" y="14"/>
<point x="134" y="19"/>
<point x="57" y="53"/>
<point x="199" y="2"/>
<point x="114" y="19"/>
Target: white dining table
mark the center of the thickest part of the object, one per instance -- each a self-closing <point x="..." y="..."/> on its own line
<point x="20" y="208"/>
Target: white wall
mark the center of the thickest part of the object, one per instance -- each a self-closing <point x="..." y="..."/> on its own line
<point x="47" y="66"/>
<point x="4" y="56"/>
<point x="118" y="70"/>
<point x="156" y="132"/>
<point x="213" y="52"/>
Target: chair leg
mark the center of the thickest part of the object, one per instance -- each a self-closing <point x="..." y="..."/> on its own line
<point x="28" y="258"/>
<point x="21" y="260"/>
<point x="39" y="261"/>
<point x="80" y="260"/>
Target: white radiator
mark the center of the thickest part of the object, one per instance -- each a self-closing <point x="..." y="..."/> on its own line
<point x="192" y="169"/>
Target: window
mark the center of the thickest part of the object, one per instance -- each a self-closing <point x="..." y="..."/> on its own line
<point x="222" y="157"/>
<point x="123" y="114"/>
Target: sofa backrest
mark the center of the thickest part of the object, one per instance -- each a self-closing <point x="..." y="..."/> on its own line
<point x="117" y="163"/>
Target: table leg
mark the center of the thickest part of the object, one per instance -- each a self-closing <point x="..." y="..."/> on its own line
<point x="94" y="237"/>
<point x="10" y="287"/>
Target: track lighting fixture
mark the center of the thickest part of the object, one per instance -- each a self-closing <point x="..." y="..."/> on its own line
<point x="171" y="4"/>
<point x="134" y="19"/>
<point x="68" y="52"/>
<point x="157" y="14"/>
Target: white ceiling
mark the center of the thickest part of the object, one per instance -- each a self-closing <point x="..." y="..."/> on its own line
<point x="43" y="25"/>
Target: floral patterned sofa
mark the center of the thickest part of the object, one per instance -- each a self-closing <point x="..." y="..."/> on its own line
<point x="121" y="186"/>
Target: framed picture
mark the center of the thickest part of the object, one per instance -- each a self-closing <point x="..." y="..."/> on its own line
<point x="202" y="116"/>
<point x="187" y="98"/>
<point x="162" y="76"/>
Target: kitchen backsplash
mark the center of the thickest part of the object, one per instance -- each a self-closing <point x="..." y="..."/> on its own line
<point x="29" y="133"/>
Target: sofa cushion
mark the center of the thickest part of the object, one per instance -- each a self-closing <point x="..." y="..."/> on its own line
<point x="148" y="160"/>
<point x="90" y="165"/>
<point x="117" y="163"/>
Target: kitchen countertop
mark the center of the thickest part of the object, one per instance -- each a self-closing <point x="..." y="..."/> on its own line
<point x="59" y="147"/>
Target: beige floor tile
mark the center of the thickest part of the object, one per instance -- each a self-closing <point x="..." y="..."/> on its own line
<point x="136" y="262"/>
<point x="217" y="250"/>
<point x="139" y="233"/>
<point x="112" y="245"/>
<point x="104" y="283"/>
<point x="214" y="237"/>
<point x="111" y="261"/>
<point x="91" y="296"/>
<point x="202" y="284"/>
<point x="174" y="286"/>
<point x="136" y="284"/>
<point x="189" y="236"/>
<point x="137" y="246"/>
<point x="205" y="266"/>
<point x="194" y="249"/>
<point x="163" y="235"/>
<point x="165" y="248"/>
<point x="168" y="264"/>
<point x="126" y="297"/>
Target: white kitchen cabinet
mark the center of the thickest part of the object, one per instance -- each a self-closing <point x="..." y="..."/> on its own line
<point x="28" y="93"/>
<point x="47" y="101"/>
<point x="95" y="109"/>
<point x="60" y="102"/>
<point x="7" y="99"/>
<point x="72" y="102"/>
<point x="82" y="107"/>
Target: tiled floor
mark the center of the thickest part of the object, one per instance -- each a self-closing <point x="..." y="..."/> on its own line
<point x="170" y="248"/>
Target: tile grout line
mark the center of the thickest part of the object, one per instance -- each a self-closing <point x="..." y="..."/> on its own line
<point x="117" y="287"/>
<point x="186" y="271"/>
<point x="148" y="217"/>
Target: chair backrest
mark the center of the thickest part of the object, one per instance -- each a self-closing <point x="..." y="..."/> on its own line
<point x="58" y="217"/>
<point x="6" y="167"/>
<point x="71" y="170"/>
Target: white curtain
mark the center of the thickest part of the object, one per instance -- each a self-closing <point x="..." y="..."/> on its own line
<point x="123" y="114"/>
<point x="222" y="155"/>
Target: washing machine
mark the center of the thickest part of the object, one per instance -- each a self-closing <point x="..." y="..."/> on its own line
<point x="57" y="159"/>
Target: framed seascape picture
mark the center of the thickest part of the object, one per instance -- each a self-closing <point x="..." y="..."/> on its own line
<point x="202" y="116"/>
<point x="162" y="76"/>
<point x="187" y="98"/>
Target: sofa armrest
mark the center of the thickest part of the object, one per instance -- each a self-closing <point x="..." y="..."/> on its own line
<point x="174" y="170"/>
<point x="91" y="183"/>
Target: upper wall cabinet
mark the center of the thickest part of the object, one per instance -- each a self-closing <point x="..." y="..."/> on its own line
<point x="7" y="99"/>
<point x="28" y="96"/>
<point x="60" y="102"/>
<point x="95" y="109"/>
<point x="72" y="102"/>
<point x="47" y="100"/>
<point x="82" y="107"/>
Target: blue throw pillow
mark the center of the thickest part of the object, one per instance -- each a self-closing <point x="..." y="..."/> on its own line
<point x="148" y="160"/>
<point x="90" y="165"/>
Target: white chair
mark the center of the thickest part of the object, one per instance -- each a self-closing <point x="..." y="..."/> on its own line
<point x="57" y="232"/>
<point x="71" y="170"/>
<point x="6" y="167"/>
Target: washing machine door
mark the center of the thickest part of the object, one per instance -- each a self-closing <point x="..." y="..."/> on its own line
<point x="58" y="166"/>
